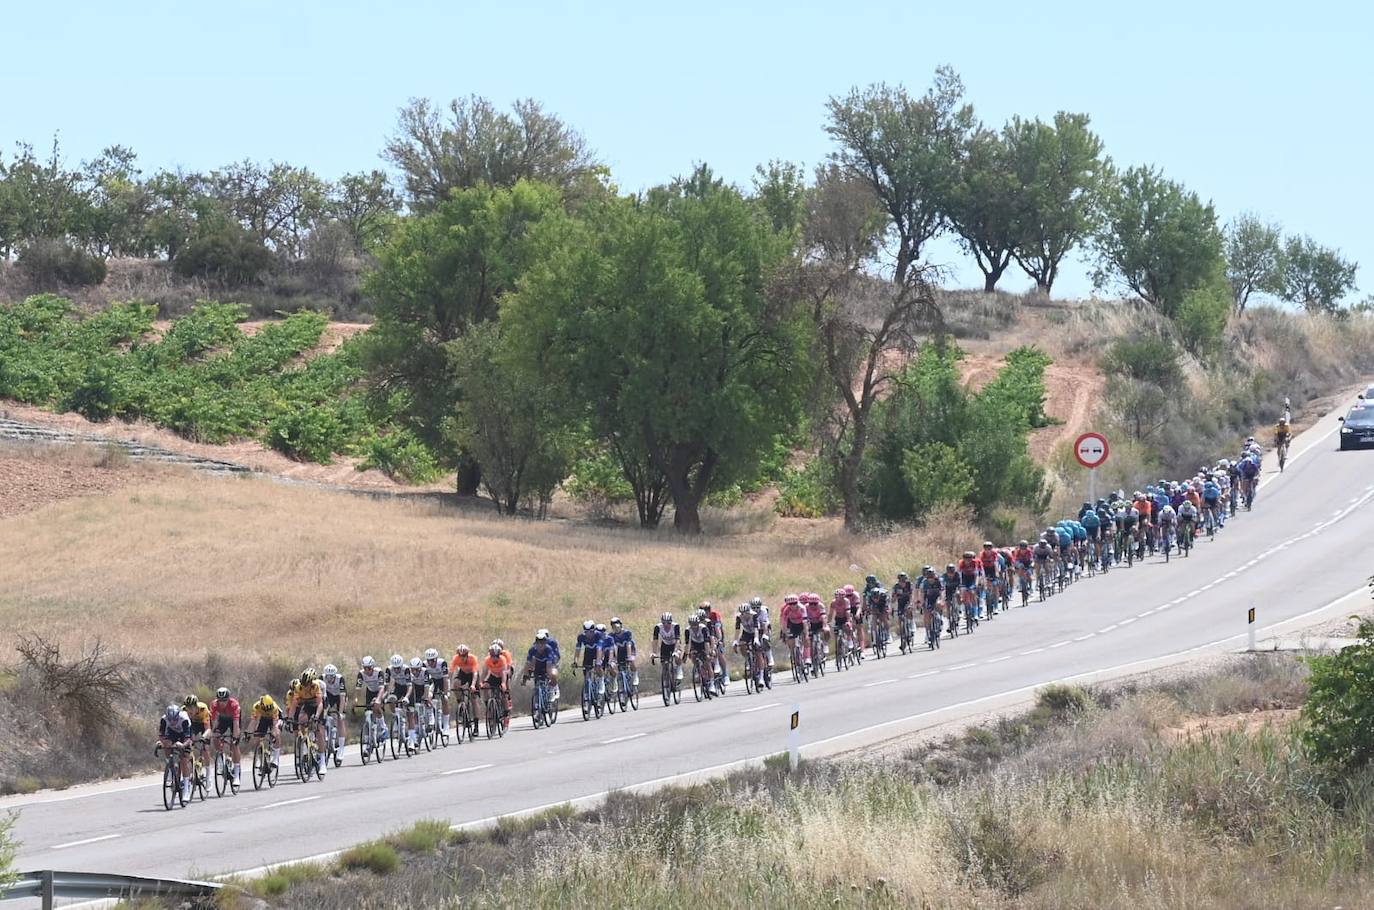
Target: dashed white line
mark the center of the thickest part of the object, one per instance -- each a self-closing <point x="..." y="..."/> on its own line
<point x="1060" y="644"/>
<point x="926" y="673"/>
<point x="621" y="739"/>
<point x="963" y="666"/>
<point x="1127" y="621"/>
<point x="881" y="682"/>
<point x="463" y="770"/>
<point x="998" y="660"/>
<point x="1106" y="630"/>
<point x="1031" y="651"/>
<point x="288" y="802"/>
<point x="1085" y="637"/>
<point x="89" y="840"/>
<point x="772" y="704"/>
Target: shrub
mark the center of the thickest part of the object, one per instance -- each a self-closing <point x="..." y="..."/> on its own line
<point x="86" y="689"/>
<point x="49" y="263"/>
<point x="424" y="836"/>
<point x="375" y="857"/>
<point x="598" y="482"/>
<point x="311" y="432"/>
<point x="226" y="253"/>
<point x="1153" y="360"/>
<point x="401" y="456"/>
<point x="935" y="474"/>
<point x="807" y="492"/>
<point x="1060" y="699"/>
<point x="1202" y="315"/>
<point x="1340" y="705"/>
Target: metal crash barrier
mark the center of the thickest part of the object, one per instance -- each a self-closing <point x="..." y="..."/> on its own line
<point x="48" y="885"/>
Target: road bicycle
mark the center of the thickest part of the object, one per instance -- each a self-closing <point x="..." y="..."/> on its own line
<point x="265" y="771"/>
<point x="703" y="679"/>
<point x="817" y="653"/>
<point x="1040" y="585"/>
<point x="908" y="631"/>
<point x="669" y="686"/>
<point x="371" y="736"/>
<point x="934" y="630"/>
<point x="465" y="719"/>
<point x="1185" y="536"/>
<point x="333" y="750"/>
<point x="880" y="637"/>
<point x="1282" y="454"/>
<point x="224" y="766"/>
<point x="171" y="775"/>
<point x="800" y="674"/>
<point x="494" y="711"/>
<point x="543" y="706"/>
<point x="398" y="734"/>
<point x="844" y="646"/>
<point x="1168" y="542"/>
<point x="306" y="750"/>
<point x="626" y="689"/>
<point x="592" y="702"/>
<point x="1209" y="519"/>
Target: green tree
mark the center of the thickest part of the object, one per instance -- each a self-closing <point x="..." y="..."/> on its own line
<point x="508" y="417"/>
<point x="439" y="275"/>
<point x="178" y="201"/>
<point x="9" y="851"/>
<point x="1159" y="240"/>
<point x="1314" y="276"/>
<point x="42" y="200"/>
<point x="120" y="204"/>
<point x="935" y="475"/>
<point x="471" y="143"/>
<point x="1254" y="259"/>
<point x="366" y="206"/>
<point x="1060" y="170"/>
<point x="907" y="152"/>
<point x="1201" y="317"/>
<point x="657" y="318"/>
<point x="1339" y="710"/>
<point x="983" y="205"/>
<point x="223" y="251"/>
<point x="278" y="204"/>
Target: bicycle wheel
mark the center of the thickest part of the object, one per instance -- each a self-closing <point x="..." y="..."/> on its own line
<point x="550" y="710"/>
<point x="170" y="786"/>
<point x="302" y="758"/>
<point x="223" y="773"/>
<point x="491" y="718"/>
<point x="698" y="690"/>
<point x="200" y="783"/>
<point x="396" y="735"/>
<point x="612" y="698"/>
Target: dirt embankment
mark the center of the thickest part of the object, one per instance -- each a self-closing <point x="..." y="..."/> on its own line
<point x="1072" y="394"/>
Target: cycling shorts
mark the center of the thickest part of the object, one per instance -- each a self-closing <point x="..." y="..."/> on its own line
<point x="816" y="626"/>
<point x="1094" y="533"/>
<point x="197" y="728"/>
<point x="464" y="679"/>
<point x="588" y="658"/>
<point x="666" y="651"/>
<point x="796" y="629"/>
<point x="622" y="654"/>
<point x="332" y="702"/>
<point x="697" y="648"/>
<point x="264" y="726"/>
<point x="440" y="685"/>
<point x="305" y="707"/>
<point x="224" y="724"/>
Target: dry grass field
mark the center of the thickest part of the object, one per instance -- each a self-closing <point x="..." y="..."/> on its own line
<point x="188" y="566"/>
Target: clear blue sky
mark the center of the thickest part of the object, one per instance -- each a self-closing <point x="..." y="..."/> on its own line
<point x="1258" y="106"/>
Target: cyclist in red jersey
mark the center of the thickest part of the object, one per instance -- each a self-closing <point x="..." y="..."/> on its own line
<point x="225" y="720"/>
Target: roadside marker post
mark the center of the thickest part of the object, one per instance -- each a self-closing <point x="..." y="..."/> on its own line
<point x="793" y="738"/>
<point x="1250" y="627"/>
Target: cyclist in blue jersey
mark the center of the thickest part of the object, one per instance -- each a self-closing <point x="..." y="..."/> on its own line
<point x="1211" y="499"/>
<point x="541" y="660"/>
<point x="624" y="647"/>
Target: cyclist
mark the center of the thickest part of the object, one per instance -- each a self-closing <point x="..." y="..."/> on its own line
<point x="871" y="583"/>
<point x="879" y="604"/>
<point x="747" y="639"/>
<point x="793" y="618"/>
<point x="495" y="679"/>
<point x="700" y="641"/>
<point x="949" y="580"/>
<point x="370" y="681"/>
<point x="1092" y="524"/>
<point x="437" y="670"/>
<point x="199" y="713"/>
<point x="901" y="593"/>
<point x="625" y="654"/>
<point x="585" y="649"/>
<point x="1023" y="557"/>
<point x="307" y="698"/>
<point x="465" y="679"/>
<point x="666" y="635"/>
<point x="226" y="721"/>
<point x="1249" y="472"/>
<point x="1168" y="524"/>
<point x="968" y="580"/>
<point x="765" y="624"/>
<point x="990" y="561"/>
<point x="840" y="616"/>
<point x="815" y="623"/>
<point x="1043" y="553"/>
<point x="856" y="613"/>
<point x="174" y="729"/>
<point x="541" y="660"/>
<point x="605" y="657"/>
<point x="336" y="700"/>
<point x="1211" y="499"/>
<point x="711" y="616"/>
<point x="931" y="586"/>
<point x="267" y="717"/>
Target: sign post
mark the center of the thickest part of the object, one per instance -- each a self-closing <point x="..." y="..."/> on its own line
<point x="793" y="738"/>
<point x="1250" y="620"/>
<point x="1091" y="450"/>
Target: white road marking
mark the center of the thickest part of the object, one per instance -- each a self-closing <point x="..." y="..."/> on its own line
<point x="881" y="682"/>
<point x="1128" y="620"/>
<point x="998" y="660"/>
<point x="463" y="770"/>
<point x="89" y="840"/>
<point x="1031" y="651"/>
<point x="1060" y="644"/>
<point x="621" y="739"/>
<point x="287" y="802"/>
<point x="963" y="666"/>
<point x="1106" y="630"/>
<point x="772" y="704"/>
<point x="1085" y="637"/>
<point x="926" y="673"/>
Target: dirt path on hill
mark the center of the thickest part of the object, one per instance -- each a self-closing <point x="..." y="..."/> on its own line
<point x="1072" y="394"/>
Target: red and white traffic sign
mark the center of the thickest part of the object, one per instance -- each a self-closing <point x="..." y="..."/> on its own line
<point x="1091" y="450"/>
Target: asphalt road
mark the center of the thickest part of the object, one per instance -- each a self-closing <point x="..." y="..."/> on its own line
<point x="1154" y="614"/>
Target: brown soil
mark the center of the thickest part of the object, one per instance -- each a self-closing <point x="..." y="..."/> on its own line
<point x="31" y="479"/>
<point x="1073" y="393"/>
<point x="1247" y="723"/>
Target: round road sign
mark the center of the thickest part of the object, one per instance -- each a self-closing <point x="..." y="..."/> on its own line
<point x="1091" y="450"/>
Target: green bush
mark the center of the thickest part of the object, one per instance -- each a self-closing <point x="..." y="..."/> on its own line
<point x="377" y="857"/>
<point x="1340" y="706"/>
<point x="50" y="263"/>
<point x="935" y="475"/>
<point x="226" y="253"/>
<point x="1202" y="314"/>
<point x="401" y="456"/>
<point x="807" y="492"/>
<point x="1153" y="360"/>
<point x="598" y="481"/>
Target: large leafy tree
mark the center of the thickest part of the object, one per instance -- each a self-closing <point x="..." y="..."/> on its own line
<point x="365" y="205"/>
<point x="439" y="275"/>
<point x="1059" y="169"/>
<point x="659" y="321"/>
<point x="983" y="205"/>
<point x="278" y="203"/>
<point x="906" y="150"/>
<point x="1254" y="259"/>
<point x="1315" y="277"/>
<point x="1159" y="240"/>
<point x="470" y="142"/>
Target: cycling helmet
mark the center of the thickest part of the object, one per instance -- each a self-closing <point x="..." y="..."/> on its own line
<point x="222" y="693"/>
<point x="190" y="701"/>
<point x="1249" y="440"/>
<point x="497" y="641"/>
<point x="694" y="619"/>
<point x="368" y="662"/>
<point x="330" y="671"/>
<point x="987" y="545"/>
<point x="494" y="648"/>
<point x="588" y="625"/>
<point x="431" y="654"/>
<point x="1086" y="505"/>
<point x="615" y="621"/>
<point x="704" y="605"/>
<point x="171" y="712"/>
<point x="542" y="633"/>
<point x="397" y="662"/>
<point x="791" y="599"/>
<point x="742" y="608"/>
<point x="666" y="617"/>
<point x="1283" y="421"/>
<point x="756" y="601"/>
<point x="902" y="575"/>
<point x="307" y="676"/>
<point x="870" y="579"/>
<point x="415" y="663"/>
<point x="463" y="649"/>
<point x="849" y="589"/>
<point x="968" y="554"/>
<point x="601" y="627"/>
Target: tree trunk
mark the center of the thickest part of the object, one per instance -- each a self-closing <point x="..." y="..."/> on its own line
<point x="850" y="466"/>
<point x="469" y="476"/>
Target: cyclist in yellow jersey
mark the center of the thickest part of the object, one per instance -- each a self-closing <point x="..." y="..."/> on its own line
<point x="199" y="714"/>
<point x="266" y="721"/>
<point x="307" y="698"/>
